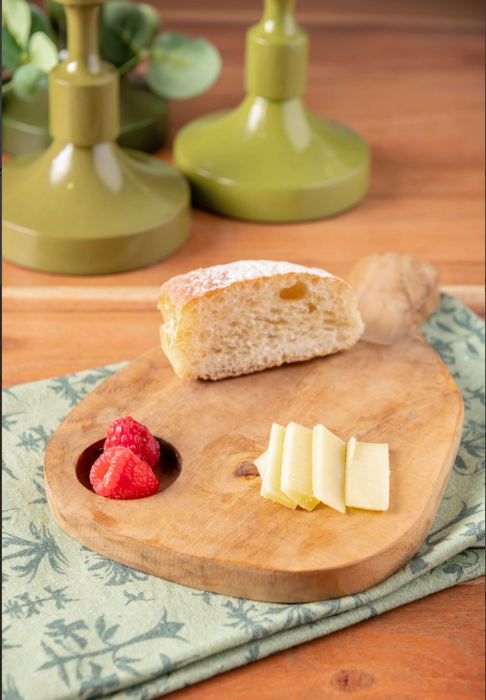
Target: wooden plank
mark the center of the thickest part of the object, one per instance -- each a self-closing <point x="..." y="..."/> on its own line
<point x="94" y="299"/>
<point x="49" y="344"/>
<point x="124" y="299"/>
<point x="445" y="15"/>
<point x="471" y="296"/>
<point x="357" y="13"/>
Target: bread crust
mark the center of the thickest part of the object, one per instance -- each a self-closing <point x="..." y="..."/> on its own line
<point x="182" y="289"/>
<point x="179" y="295"/>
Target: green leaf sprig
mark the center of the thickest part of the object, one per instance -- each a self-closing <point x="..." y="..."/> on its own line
<point x="181" y="67"/>
<point x="27" y="48"/>
<point x="178" y="67"/>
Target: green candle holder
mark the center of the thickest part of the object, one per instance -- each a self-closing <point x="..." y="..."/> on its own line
<point x="271" y="159"/>
<point x="85" y="205"/>
<point x="144" y="119"/>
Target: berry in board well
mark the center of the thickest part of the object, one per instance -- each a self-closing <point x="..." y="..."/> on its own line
<point x="121" y="474"/>
<point x="127" y="432"/>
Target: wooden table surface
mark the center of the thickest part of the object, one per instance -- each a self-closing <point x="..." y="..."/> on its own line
<point x="407" y="75"/>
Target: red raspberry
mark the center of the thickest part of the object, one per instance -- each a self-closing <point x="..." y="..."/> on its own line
<point x="120" y="474"/>
<point x="126" y="432"/>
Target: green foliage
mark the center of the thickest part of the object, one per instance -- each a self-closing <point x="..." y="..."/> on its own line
<point x="16" y="17"/>
<point x="57" y="18"/>
<point x="43" y="53"/>
<point x="27" y="48"/>
<point x="181" y="67"/>
<point x="39" y="21"/>
<point x="11" y="52"/>
<point x="152" y="17"/>
<point x="27" y="80"/>
<point x="55" y="11"/>
<point x="124" y="31"/>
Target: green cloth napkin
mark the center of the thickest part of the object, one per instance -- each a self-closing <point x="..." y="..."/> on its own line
<point x="77" y="625"/>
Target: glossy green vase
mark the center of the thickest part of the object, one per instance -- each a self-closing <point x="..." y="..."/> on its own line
<point x="271" y="159"/>
<point x="85" y="205"/>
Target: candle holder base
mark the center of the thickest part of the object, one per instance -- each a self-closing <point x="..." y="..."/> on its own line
<point x="273" y="161"/>
<point x="92" y="210"/>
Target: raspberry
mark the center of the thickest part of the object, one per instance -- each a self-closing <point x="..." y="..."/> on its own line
<point x="126" y="432"/>
<point x="120" y="474"/>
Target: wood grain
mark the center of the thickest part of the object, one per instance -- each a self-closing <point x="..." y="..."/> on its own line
<point x="395" y="293"/>
<point x="145" y="298"/>
<point x="469" y="16"/>
<point x="377" y="393"/>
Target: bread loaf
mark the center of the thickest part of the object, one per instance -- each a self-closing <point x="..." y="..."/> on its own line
<point x="243" y="317"/>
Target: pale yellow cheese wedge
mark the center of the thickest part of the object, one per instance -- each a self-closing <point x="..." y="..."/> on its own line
<point x="297" y="466"/>
<point x="260" y="463"/>
<point x="273" y="469"/>
<point x="367" y="475"/>
<point x="328" y="467"/>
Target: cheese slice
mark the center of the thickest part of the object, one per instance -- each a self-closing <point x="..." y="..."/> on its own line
<point x="260" y="463"/>
<point x="273" y="469"/>
<point x="328" y="467"/>
<point x="297" y="466"/>
<point x="367" y="475"/>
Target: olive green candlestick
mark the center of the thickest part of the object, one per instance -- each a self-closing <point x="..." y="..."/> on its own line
<point x="144" y="119"/>
<point x="85" y="205"/>
<point x="271" y="159"/>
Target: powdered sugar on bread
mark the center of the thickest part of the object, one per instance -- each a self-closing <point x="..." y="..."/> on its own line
<point x="246" y="316"/>
<point x="204" y="280"/>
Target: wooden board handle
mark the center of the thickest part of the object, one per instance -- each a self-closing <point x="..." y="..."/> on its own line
<point x="395" y="293"/>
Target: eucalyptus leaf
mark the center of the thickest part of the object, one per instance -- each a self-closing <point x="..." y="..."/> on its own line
<point x="57" y="17"/>
<point x="55" y="11"/>
<point x="181" y="67"/>
<point x="11" y="53"/>
<point x="17" y="18"/>
<point x="39" y="21"/>
<point x="27" y="80"/>
<point x="43" y="52"/>
<point x="125" y="30"/>
<point x="152" y="16"/>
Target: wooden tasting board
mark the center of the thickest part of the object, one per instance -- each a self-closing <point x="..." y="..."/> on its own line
<point x="208" y="527"/>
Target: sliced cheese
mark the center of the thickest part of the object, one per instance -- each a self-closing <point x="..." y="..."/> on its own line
<point x="367" y="475"/>
<point x="297" y="466"/>
<point x="260" y="463"/>
<point x="328" y="467"/>
<point x="273" y="469"/>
